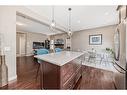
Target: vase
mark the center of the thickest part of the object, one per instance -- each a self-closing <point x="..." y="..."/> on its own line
<point x="3" y="72"/>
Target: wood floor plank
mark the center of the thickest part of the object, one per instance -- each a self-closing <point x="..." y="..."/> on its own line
<point x="96" y="79"/>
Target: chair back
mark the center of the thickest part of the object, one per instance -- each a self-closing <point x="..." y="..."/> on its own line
<point x="92" y="54"/>
<point x="58" y="49"/>
<point x="41" y="51"/>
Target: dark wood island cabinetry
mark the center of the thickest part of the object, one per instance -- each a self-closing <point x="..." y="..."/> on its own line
<point x="65" y="76"/>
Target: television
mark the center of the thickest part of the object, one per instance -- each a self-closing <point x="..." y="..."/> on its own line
<point x="59" y="41"/>
<point x="38" y="45"/>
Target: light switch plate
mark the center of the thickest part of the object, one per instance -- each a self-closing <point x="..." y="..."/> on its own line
<point x="7" y="49"/>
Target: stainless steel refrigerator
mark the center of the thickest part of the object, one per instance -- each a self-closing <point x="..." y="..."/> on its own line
<point x="120" y="62"/>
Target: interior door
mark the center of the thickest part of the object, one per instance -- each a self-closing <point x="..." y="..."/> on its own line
<point x="21" y="44"/>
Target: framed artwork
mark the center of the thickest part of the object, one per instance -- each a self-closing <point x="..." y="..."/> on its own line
<point x="95" y="39"/>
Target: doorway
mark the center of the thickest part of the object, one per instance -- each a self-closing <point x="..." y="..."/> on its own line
<point x="20" y="44"/>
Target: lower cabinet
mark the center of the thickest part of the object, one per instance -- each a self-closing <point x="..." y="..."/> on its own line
<point x="70" y="73"/>
<point x="71" y="82"/>
<point x="61" y="77"/>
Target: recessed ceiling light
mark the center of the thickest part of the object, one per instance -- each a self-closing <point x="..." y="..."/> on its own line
<point x="107" y="13"/>
<point x="19" y="23"/>
<point x="78" y="21"/>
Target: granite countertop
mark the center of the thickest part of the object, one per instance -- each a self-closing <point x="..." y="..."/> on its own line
<point x="59" y="58"/>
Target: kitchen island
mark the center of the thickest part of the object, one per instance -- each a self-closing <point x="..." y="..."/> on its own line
<point x="60" y="70"/>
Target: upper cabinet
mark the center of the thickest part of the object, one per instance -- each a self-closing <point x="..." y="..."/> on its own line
<point x="122" y="12"/>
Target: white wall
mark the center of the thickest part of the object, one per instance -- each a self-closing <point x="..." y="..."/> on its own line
<point x="8" y="30"/>
<point x="80" y="40"/>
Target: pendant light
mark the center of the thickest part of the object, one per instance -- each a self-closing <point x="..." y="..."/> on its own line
<point x="52" y="28"/>
<point x="53" y="24"/>
<point x="69" y="26"/>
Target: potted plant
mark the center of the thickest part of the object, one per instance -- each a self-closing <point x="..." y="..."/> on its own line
<point x="111" y="52"/>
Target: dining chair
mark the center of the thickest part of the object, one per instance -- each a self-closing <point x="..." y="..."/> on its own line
<point x="58" y="49"/>
<point x="104" y="57"/>
<point x="40" y="52"/>
<point x="86" y="56"/>
<point x="92" y="56"/>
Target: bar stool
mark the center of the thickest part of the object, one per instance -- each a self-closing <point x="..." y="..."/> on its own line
<point x="40" y="52"/>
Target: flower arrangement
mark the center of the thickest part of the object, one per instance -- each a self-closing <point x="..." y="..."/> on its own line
<point x="110" y="50"/>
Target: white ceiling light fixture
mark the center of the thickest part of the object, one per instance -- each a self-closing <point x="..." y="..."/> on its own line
<point x="53" y="24"/>
<point x="19" y="23"/>
<point x="107" y="13"/>
<point x="78" y="21"/>
<point x="69" y="24"/>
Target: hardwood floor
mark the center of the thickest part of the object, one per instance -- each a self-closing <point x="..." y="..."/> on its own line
<point x="26" y="74"/>
<point x="92" y="78"/>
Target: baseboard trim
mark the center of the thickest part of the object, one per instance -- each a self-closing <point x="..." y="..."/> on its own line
<point x="29" y="55"/>
<point x="24" y="55"/>
<point x="12" y="79"/>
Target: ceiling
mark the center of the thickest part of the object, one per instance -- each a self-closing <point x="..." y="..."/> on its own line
<point x="28" y="25"/>
<point x="82" y="17"/>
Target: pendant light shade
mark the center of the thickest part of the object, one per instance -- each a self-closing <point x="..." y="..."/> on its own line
<point x="69" y="24"/>
<point x="53" y="24"/>
<point x="69" y="33"/>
